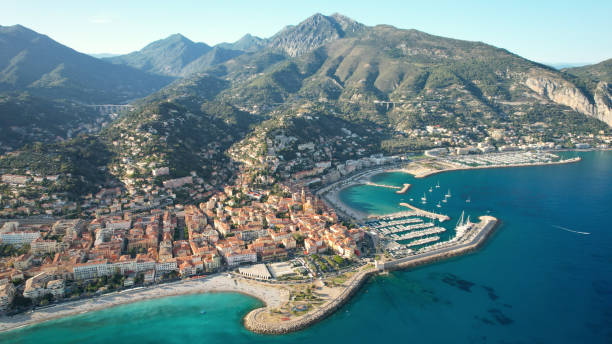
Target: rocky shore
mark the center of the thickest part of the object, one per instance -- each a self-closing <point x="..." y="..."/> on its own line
<point x="253" y="320"/>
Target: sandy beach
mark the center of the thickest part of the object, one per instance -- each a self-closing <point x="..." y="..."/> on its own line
<point x="272" y="296"/>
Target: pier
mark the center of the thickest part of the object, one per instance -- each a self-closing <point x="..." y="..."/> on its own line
<point x="404" y="189"/>
<point x="383" y="185"/>
<point x="426" y="213"/>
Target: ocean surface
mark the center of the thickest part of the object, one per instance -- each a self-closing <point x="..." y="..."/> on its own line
<point x="539" y="279"/>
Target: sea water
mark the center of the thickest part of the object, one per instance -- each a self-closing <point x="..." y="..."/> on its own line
<point x="535" y="281"/>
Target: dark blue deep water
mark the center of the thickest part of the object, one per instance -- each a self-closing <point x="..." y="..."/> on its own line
<point x="535" y="281"/>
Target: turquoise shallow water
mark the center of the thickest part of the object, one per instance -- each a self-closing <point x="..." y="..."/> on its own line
<point x="532" y="283"/>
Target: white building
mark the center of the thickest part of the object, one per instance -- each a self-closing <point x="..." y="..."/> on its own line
<point x="56" y="288"/>
<point x="178" y="182"/>
<point x="7" y="294"/>
<point x="238" y="257"/>
<point x="19" y="237"/>
<point x="168" y="265"/>
<point x="162" y="171"/>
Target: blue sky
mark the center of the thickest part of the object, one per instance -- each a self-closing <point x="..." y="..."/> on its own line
<point x="540" y="30"/>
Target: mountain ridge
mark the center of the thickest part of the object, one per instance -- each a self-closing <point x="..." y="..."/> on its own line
<point x="36" y="63"/>
<point x="166" y="56"/>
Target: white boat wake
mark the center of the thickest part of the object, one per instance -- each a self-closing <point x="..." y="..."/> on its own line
<point x="571" y="230"/>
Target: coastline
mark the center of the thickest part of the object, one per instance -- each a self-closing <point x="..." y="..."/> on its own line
<point x="270" y="295"/>
<point x="428" y="173"/>
<point x="274" y="296"/>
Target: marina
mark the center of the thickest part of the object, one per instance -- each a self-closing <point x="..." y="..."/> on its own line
<point x="402" y="230"/>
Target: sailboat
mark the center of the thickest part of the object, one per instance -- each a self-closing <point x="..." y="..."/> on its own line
<point x="430" y="189"/>
<point x="423" y="199"/>
<point x="438" y="185"/>
<point x="448" y="194"/>
<point x="468" y="200"/>
<point x="439" y="205"/>
<point x="463" y="225"/>
<point x="444" y="200"/>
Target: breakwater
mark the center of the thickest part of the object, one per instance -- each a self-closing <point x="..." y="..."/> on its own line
<point x="253" y="320"/>
<point x="382" y="185"/>
<point x="403" y="189"/>
<point x="429" y="214"/>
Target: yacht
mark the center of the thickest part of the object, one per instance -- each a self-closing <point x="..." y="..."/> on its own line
<point x="463" y="225"/>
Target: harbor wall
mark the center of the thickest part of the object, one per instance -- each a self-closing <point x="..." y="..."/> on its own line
<point x="252" y="323"/>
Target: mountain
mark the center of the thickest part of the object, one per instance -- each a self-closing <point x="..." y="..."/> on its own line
<point x="314" y="32"/>
<point x="596" y="82"/>
<point x="247" y="43"/>
<point x="178" y="56"/>
<point x="381" y="85"/>
<point x="411" y="70"/>
<point x="166" y="56"/>
<point x="36" y="63"/>
<point x="593" y="74"/>
<point x="214" y="57"/>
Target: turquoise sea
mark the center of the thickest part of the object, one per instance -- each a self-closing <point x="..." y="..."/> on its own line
<point x="536" y="281"/>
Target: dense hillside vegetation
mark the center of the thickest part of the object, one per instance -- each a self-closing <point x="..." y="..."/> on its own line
<point x="25" y="119"/>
